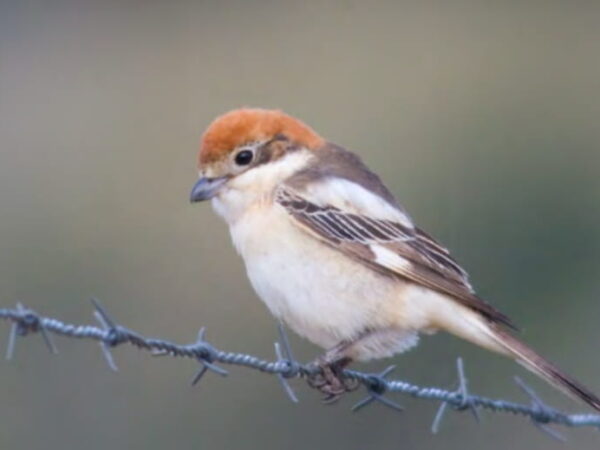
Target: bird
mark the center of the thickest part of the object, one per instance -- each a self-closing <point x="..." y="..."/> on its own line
<point x="334" y="255"/>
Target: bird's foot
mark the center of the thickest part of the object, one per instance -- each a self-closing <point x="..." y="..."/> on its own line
<point x="331" y="380"/>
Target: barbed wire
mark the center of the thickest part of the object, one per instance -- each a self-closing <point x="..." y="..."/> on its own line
<point x="110" y="334"/>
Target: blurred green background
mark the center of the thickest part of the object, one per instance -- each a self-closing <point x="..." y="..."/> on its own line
<point x="481" y="116"/>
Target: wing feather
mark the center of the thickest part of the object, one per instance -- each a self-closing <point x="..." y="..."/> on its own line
<point x="387" y="246"/>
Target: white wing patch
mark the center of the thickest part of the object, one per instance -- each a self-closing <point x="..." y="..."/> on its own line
<point x="351" y="197"/>
<point x="388" y="258"/>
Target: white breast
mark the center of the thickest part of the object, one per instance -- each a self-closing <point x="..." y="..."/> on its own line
<point x="320" y="293"/>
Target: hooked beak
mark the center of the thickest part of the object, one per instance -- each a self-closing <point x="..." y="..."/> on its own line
<point x="206" y="188"/>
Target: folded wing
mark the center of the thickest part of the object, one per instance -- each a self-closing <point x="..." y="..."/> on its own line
<point x="385" y="245"/>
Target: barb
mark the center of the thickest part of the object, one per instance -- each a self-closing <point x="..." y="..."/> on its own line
<point x="110" y="334"/>
<point x="29" y="323"/>
<point x="206" y="361"/>
<point x="465" y="403"/>
<point x="544" y="410"/>
<point x="111" y="329"/>
<point x="376" y="390"/>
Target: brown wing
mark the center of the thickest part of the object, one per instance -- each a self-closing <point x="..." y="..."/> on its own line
<point x="389" y="248"/>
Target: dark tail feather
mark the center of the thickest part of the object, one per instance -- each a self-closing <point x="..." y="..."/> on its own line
<point x="545" y="369"/>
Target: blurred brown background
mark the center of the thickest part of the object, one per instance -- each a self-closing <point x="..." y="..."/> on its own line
<point x="481" y="116"/>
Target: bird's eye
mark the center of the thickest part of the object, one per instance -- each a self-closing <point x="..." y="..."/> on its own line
<point x="244" y="158"/>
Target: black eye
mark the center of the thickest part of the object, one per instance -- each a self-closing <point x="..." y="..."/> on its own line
<point x="243" y="158"/>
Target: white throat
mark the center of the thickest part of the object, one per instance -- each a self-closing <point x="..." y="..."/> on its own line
<point x="255" y="186"/>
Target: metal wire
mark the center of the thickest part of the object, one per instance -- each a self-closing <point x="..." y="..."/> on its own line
<point x="110" y="334"/>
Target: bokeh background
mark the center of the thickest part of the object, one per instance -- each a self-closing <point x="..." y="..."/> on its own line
<point x="481" y="116"/>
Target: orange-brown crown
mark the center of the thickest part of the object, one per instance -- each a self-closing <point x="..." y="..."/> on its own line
<point x="239" y="126"/>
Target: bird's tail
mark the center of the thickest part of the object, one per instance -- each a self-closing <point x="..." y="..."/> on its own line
<point x="539" y="365"/>
<point x="478" y="330"/>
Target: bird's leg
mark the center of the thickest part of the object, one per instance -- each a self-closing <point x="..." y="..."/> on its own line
<point x="331" y="381"/>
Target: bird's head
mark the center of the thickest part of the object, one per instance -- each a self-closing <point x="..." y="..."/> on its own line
<point x="243" y="141"/>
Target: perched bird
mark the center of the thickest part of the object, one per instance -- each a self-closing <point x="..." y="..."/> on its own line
<point x="333" y="255"/>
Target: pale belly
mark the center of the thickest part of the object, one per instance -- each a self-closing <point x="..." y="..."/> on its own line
<point x="322" y="294"/>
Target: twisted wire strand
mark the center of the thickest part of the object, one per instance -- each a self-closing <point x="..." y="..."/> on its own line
<point x="110" y="334"/>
